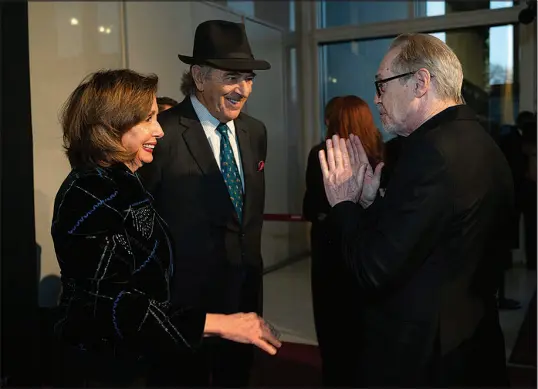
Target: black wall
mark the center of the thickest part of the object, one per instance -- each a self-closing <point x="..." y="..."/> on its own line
<point x="19" y="317"/>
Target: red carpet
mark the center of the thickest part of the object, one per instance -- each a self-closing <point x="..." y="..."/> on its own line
<point x="295" y="365"/>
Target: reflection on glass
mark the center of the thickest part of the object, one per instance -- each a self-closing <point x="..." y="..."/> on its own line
<point x="501" y="61"/>
<point x="490" y="75"/>
<point x="67" y="15"/>
<point x="245" y="7"/>
<point x="352" y="12"/>
<point x="108" y="37"/>
<point x="501" y="75"/>
<point x="293" y="74"/>
<point x="292" y="15"/>
<point x="349" y="12"/>
<point x="440" y="35"/>
<point x="500" y="4"/>
<point x="437" y="8"/>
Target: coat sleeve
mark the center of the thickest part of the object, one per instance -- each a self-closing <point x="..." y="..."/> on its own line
<point x="99" y="277"/>
<point x="409" y="221"/>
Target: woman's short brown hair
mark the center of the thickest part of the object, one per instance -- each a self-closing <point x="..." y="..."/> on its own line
<point x="105" y="105"/>
<point x="329" y="107"/>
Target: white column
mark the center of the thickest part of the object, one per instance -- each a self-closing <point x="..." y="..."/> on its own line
<point x="308" y="81"/>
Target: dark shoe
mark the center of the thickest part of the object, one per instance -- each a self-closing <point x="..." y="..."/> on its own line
<point x="509" y="304"/>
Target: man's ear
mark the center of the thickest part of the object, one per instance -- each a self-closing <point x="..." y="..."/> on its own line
<point x="198" y="77"/>
<point x="422" y="82"/>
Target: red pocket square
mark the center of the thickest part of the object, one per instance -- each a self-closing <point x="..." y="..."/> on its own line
<point x="261" y="165"/>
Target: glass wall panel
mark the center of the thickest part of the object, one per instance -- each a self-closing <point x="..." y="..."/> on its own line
<point x="278" y="12"/>
<point x="437" y="8"/>
<point x="351" y="12"/>
<point x="333" y="13"/>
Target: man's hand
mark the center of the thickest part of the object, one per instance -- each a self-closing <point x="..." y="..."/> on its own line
<point x="340" y="181"/>
<point x="372" y="179"/>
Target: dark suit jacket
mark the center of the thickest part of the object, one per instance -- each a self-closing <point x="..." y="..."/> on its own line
<point x="420" y="255"/>
<point x="218" y="260"/>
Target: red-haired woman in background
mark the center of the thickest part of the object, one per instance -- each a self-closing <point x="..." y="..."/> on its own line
<point x="332" y="285"/>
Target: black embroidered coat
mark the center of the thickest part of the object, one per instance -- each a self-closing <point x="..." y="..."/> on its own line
<point x="116" y="264"/>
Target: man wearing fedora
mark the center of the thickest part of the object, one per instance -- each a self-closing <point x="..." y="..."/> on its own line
<point x="207" y="180"/>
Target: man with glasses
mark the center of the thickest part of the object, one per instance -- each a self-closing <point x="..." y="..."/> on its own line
<point x="422" y="254"/>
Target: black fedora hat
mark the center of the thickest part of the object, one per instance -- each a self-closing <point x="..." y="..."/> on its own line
<point x="223" y="45"/>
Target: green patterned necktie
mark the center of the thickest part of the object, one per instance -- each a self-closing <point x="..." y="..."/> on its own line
<point x="229" y="170"/>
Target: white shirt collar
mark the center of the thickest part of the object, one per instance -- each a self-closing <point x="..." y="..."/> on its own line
<point x="208" y="121"/>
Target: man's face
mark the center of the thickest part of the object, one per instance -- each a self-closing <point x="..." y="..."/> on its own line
<point x="222" y="92"/>
<point x="395" y="100"/>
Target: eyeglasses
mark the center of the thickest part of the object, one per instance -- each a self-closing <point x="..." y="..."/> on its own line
<point x="380" y="84"/>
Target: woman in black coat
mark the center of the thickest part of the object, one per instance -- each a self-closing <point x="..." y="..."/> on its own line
<point x="114" y="250"/>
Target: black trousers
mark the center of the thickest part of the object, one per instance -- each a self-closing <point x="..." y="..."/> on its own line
<point x="335" y="320"/>
<point x="478" y="362"/>
<point x="218" y="363"/>
<point x="80" y="369"/>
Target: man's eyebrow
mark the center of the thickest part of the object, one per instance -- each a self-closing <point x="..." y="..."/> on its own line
<point x="378" y="77"/>
<point x="239" y="74"/>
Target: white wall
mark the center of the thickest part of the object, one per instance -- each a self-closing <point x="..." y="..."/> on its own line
<point x="61" y="54"/>
<point x="146" y="37"/>
<point x="156" y="32"/>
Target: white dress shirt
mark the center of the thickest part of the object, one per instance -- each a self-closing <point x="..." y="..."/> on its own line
<point x="209" y="124"/>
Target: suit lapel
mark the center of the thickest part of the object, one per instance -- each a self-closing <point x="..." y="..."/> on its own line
<point x="196" y="141"/>
<point x="247" y="161"/>
<point x="198" y="145"/>
<point x="201" y="152"/>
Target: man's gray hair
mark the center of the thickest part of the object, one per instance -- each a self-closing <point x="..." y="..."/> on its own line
<point x="188" y="86"/>
<point x="426" y="51"/>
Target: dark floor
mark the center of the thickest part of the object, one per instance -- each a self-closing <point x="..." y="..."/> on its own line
<point x="299" y="365"/>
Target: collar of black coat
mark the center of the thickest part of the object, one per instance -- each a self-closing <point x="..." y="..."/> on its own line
<point x="450" y="114"/>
